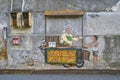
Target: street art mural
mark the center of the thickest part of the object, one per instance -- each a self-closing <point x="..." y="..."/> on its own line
<point x="69" y="51"/>
<point x="67" y="37"/>
<point x="60" y="42"/>
<point x="95" y="45"/>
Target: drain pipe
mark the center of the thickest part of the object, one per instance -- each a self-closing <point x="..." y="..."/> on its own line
<point x="23" y="3"/>
<point x="11" y="5"/>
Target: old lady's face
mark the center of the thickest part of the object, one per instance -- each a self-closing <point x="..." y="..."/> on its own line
<point x="68" y="30"/>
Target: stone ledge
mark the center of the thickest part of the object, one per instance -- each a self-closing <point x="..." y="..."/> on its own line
<point x="62" y="71"/>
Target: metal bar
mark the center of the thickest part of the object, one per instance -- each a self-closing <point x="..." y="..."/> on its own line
<point x="45" y="27"/>
<point x="82" y="31"/>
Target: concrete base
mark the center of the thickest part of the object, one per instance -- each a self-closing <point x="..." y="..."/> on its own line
<point x="62" y="71"/>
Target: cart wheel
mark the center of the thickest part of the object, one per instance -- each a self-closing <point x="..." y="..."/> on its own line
<point x="66" y="65"/>
<point x="80" y="64"/>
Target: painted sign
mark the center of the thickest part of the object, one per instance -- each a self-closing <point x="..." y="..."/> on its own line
<point x="56" y="55"/>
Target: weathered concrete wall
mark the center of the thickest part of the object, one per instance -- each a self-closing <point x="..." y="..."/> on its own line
<point x="102" y="23"/>
<point x="112" y="50"/>
<point x="59" y="24"/>
<point x="27" y="55"/>
<point x="105" y="24"/>
<point x="25" y="43"/>
<point x="41" y="5"/>
<point x="3" y="45"/>
<point x="4" y="20"/>
<point x="4" y="5"/>
<point x="85" y="5"/>
<point x="3" y="51"/>
<point x="39" y="23"/>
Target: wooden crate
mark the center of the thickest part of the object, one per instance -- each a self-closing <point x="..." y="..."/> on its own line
<point x="14" y="19"/>
<point x="52" y="39"/>
<point x="26" y="19"/>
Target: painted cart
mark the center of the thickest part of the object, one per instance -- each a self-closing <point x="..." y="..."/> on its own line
<point x="66" y="56"/>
